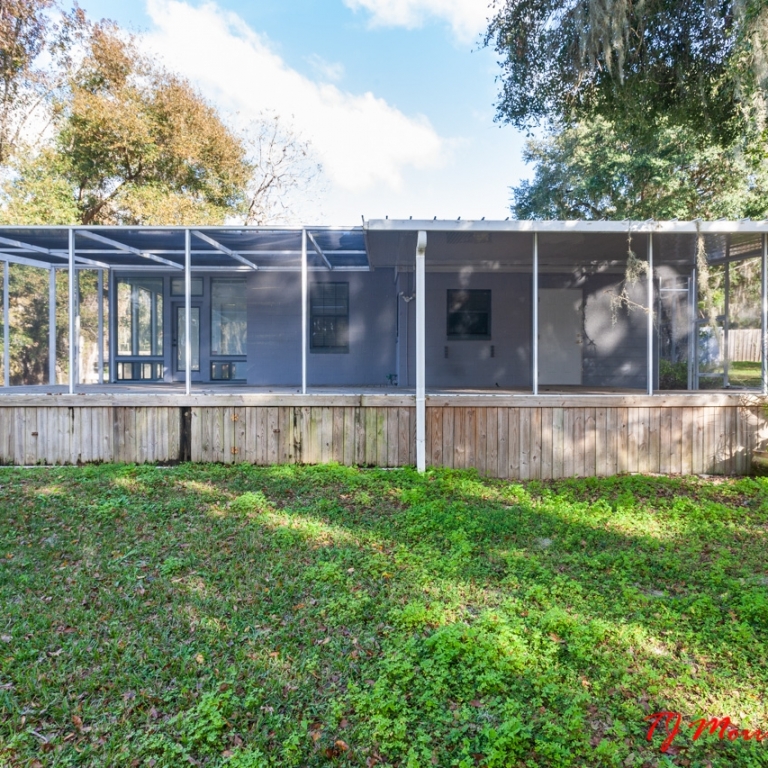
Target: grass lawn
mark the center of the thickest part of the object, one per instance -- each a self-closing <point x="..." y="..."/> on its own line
<point x="745" y="374"/>
<point x="248" y="617"/>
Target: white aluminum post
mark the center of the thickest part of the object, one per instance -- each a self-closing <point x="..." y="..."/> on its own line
<point x="188" y="311"/>
<point x="421" y="410"/>
<point x="52" y="326"/>
<point x="694" y="315"/>
<point x="726" y="324"/>
<point x="73" y="330"/>
<point x="100" y="291"/>
<point x="6" y="326"/>
<point x="649" y="351"/>
<point x="535" y="313"/>
<point x="303" y="311"/>
<point x="764" y="316"/>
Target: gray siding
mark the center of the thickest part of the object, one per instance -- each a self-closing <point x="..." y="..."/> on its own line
<point x="613" y="353"/>
<point x="274" y="331"/>
<point x="469" y="362"/>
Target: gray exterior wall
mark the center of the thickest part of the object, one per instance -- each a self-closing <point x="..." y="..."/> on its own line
<point x="382" y="332"/>
<point x="613" y="354"/>
<point x="469" y="362"/>
<point x="274" y="331"/>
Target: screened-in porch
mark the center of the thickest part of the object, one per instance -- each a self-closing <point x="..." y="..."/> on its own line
<point x="524" y="349"/>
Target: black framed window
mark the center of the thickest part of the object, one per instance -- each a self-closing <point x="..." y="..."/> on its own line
<point x="139" y="316"/>
<point x="177" y="286"/>
<point x="469" y="314"/>
<point x="329" y="317"/>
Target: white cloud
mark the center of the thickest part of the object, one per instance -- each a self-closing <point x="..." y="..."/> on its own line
<point x="362" y="141"/>
<point x="468" y="18"/>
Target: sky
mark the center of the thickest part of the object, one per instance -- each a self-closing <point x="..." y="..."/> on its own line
<point x="396" y="97"/>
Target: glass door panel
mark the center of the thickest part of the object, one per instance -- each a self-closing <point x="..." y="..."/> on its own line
<point x="181" y="330"/>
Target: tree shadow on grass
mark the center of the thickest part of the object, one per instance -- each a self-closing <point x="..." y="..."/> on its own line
<point x="412" y="619"/>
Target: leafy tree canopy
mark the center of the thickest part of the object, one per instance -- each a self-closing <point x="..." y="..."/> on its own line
<point x="651" y="108"/>
<point x="102" y="134"/>
<point x="591" y="170"/>
<point x="699" y="62"/>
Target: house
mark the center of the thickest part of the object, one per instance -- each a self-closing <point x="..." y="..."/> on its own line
<point x="524" y="349"/>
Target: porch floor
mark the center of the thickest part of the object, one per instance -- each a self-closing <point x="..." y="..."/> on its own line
<point x="177" y="388"/>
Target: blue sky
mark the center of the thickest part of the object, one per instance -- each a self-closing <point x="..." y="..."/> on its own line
<point x="396" y="96"/>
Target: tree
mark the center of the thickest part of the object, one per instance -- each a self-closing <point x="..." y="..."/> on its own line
<point x="23" y="30"/>
<point x="593" y="171"/>
<point x="127" y="142"/>
<point x="701" y="63"/>
<point x="651" y="108"/>
<point x="283" y="164"/>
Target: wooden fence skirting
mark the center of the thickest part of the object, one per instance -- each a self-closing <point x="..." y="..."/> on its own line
<point x="569" y="438"/>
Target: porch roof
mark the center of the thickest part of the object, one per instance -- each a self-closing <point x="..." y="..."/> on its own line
<point x="377" y="243"/>
<point x="212" y="248"/>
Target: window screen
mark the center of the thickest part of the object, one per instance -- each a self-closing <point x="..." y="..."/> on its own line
<point x="469" y="314"/>
<point x="329" y="317"/>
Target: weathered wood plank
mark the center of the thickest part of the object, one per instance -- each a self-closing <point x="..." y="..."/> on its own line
<point x="612" y="440"/>
<point x="665" y="440"/>
<point x="360" y="437"/>
<point x="677" y="440"/>
<point x="289" y="435"/>
<point x="568" y="459"/>
<point x="481" y="440"/>
<point x="348" y="450"/>
<point x="337" y="438"/>
<point x="196" y="434"/>
<point x="503" y="432"/>
<point x="470" y="437"/>
<point x="623" y="439"/>
<point x="6" y="433"/>
<point x="653" y="440"/>
<point x="314" y="436"/>
<point x="686" y="441"/>
<point x="131" y="435"/>
<point x="412" y="436"/>
<point x="381" y="437"/>
<point x="326" y="433"/>
<point x="239" y="426"/>
<point x="32" y="436"/>
<point x="448" y="437"/>
<point x="435" y="445"/>
<point x="44" y="418"/>
<point x="590" y="442"/>
<point x="370" y="437"/>
<point x="556" y="447"/>
<point x="577" y="446"/>
<point x="727" y="440"/>
<point x="492" y="442"/>
<point x="404" y="436"/>
<point x="142" y="433"/>
<point x="459" y="439"/>
<point x="601" y="442"/>
<point x="273" y="435"/>
<point x="227" y="435"/>
<point x="525" y="443"/>
<point x="514" y="443"/>
<point x="534" y="466"/>
<point x="19" y="434"/>
<point x="206" y="433"/>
